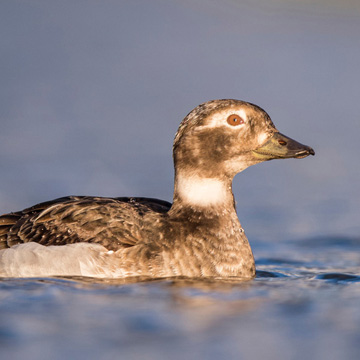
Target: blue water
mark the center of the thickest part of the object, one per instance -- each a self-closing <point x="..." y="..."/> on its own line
<point x="91" y="95"/>
<point x="304" y="303"/>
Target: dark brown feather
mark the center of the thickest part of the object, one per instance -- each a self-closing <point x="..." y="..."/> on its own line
<point x="112" y="222"/>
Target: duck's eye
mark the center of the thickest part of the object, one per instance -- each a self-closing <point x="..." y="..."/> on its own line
<point x="235" y="120"/>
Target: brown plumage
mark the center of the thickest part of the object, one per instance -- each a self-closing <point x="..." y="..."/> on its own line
<point x="198" y="235"/>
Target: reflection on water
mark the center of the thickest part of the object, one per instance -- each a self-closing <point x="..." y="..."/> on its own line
<point x="304" y="302"/>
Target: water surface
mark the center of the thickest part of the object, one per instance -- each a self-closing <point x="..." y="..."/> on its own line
<point x="304" y="303"/>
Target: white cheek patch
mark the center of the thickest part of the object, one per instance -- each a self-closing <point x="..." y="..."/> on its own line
<point x="201" y="191"/>
<point x="262" y="138"/>
<point x="219" y="118"/>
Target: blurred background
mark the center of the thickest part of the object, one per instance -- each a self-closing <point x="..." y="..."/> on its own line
<point x="92" y="93"/>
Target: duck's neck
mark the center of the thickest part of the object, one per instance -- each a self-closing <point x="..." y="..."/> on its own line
<point x="207" y="195"/>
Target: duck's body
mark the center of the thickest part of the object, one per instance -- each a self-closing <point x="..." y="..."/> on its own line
<point x="198" y="235"/>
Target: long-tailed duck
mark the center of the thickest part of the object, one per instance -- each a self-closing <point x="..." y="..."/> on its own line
<point x="198" y="235"/>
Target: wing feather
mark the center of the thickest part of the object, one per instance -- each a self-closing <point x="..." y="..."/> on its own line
<point x="112" y="222"/>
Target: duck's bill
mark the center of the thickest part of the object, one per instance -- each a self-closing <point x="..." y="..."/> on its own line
<point x="280" y="146"/>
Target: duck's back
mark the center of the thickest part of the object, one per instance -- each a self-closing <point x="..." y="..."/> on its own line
<point x="111" y="222"/>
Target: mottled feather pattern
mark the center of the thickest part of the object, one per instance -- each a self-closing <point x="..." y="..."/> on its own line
<point x="112" y="222"/>
<point x="198" y="235"/>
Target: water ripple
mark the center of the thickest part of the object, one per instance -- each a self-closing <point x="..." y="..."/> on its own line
<point x="338" y="277"/>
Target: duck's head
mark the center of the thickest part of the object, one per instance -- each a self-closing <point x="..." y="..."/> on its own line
<point x="220" y="138"/>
